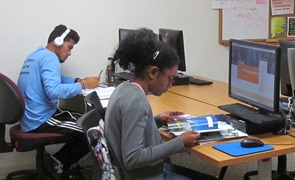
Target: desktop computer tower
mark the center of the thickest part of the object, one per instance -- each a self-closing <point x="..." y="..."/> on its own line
<point x="252" y="128"/>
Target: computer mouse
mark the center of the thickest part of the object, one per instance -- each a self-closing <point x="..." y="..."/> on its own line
<point x="249" y="142"/>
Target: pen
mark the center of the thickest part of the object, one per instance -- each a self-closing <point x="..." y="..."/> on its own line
<point x="100" y="73"/>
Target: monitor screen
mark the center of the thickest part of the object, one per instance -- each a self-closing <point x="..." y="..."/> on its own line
<point x="175" y="39"/>
<point x="123" y="34"/>
<point x="286" y="87"/>
<point x="254" y="74"/>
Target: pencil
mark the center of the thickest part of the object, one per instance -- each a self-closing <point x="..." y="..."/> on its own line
<point x="100" y="73"/>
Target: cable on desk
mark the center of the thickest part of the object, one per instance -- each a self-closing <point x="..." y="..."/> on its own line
<point x="288" y="117"/>
<point x="281" y="144"/>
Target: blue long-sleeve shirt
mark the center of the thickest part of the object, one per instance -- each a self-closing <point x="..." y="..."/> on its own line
<point x="42" y="84"/>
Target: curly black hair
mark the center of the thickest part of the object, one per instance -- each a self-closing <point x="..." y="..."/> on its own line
<point x="141" y="49"/>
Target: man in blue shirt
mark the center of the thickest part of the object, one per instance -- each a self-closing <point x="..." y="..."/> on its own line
<point x="42" y="85"/>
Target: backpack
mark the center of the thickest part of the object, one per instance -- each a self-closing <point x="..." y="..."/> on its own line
<point x="96" y="138"/>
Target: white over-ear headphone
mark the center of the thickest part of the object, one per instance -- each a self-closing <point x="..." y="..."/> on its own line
<point x="58" y="41"/>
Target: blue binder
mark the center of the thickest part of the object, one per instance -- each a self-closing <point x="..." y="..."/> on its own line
<point x="235" y="148"/>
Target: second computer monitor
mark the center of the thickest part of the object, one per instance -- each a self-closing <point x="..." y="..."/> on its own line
<point x="286" y="86"/>
<point x="291" y="65"/>
<point x="175" y="39"/>
<point x="254" y="74"/>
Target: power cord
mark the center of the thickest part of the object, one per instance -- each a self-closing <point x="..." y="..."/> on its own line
<point x="71" y="114"/>
<point x="288" y="117"/>
<point x="291" y="105"/>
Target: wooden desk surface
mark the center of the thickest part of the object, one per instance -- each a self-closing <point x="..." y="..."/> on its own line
<point x="170" y="101"/>
<point x="283" y="144"/>
<point x="220" y="159"/>
<point x="215" y="94"/>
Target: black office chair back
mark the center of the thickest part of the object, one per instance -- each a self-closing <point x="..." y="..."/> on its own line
<point x="86" y="121"/>
<point x="11" y="101"/>
<point x="93" y="102"/>
<point x="11" y="109"/>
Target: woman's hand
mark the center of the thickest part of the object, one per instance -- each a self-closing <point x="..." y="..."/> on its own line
<point x="190" y="138"/>
<point x="170" y="115"/>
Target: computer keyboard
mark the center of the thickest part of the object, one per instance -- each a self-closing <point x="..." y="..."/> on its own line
<point x="199" y="81"/>
<point x="251" y="114"/>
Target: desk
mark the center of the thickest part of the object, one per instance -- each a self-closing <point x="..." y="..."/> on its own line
<point x="194" y="103"/>
<point x="214" y="94"/>
<point x="170" y="101"/>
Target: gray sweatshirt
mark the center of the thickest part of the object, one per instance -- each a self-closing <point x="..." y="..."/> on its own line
<point x="132" y="135"/>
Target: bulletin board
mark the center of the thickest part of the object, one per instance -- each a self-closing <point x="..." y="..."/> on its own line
<point x="257" y="20"/>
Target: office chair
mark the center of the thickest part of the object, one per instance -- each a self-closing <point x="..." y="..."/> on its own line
<point x="86" y="121"/>
<point x="92" y="101"/>
<point x="11" y="111"/>
<point x="91" y="119"/>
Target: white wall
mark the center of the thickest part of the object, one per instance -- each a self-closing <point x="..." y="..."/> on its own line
<point x="25" y="25"/>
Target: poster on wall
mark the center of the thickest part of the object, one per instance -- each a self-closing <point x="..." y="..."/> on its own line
<point x="291" y="27"/>
<point x="246" y="20"/>
<point x="278" y="26"/>
<point x="219" y="4"/>
<point x="279" y="7"/>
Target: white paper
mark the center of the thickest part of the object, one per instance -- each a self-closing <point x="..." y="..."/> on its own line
<point x="280" y="7"/>
<point x="220" y="4"/>
<point x="103" y="93"/>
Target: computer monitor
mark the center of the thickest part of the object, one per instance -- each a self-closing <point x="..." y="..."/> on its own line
<point x="291" y="65"/>
<point x="175" y="39"/>
<point x="123" y="33"/>
<point x="254" y="74"/>
<point x="286" y="86"/>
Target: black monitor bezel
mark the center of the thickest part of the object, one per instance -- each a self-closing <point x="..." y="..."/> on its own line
<point x="178" y="35"/>
<point x="262" y="109"/>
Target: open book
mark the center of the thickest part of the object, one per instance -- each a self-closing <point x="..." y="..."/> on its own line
<point x="209" y="126"/>
<point x="188" y="122"/>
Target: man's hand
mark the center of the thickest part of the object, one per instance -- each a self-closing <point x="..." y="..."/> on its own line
<point x="90" y="82"/>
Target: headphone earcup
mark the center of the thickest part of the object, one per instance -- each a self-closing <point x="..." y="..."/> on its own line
<point x="58" y="41"/>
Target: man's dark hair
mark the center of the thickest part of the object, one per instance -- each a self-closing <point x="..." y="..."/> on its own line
<point x="59" y="30"/>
